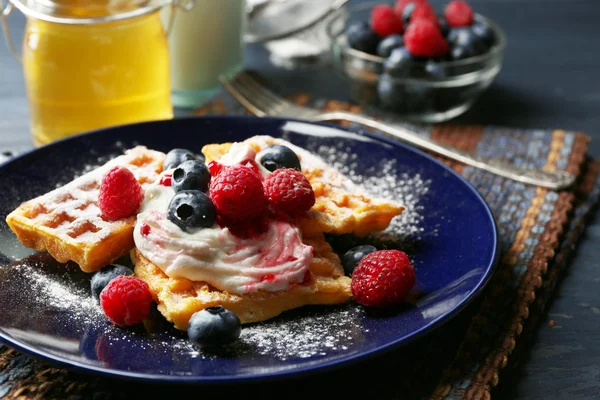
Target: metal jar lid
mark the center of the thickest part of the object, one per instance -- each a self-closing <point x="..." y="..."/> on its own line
<point x="292" y="31"/>
<point x="85" y="12"/>
<point x="276" y="19"/>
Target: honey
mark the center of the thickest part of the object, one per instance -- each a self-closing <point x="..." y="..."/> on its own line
<point x="81" y="77"/>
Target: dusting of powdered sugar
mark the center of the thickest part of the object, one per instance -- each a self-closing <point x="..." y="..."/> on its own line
<point x="94" y="162"/>
<point x="306" y="337"/>
<point x="315" y="333"/>
<point x="59" y="292"/>
<point x="382" y="180"/>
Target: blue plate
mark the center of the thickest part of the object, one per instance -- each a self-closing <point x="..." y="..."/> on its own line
<point x="447" y="229"/>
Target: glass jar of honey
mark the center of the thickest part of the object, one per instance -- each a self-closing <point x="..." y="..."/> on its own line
<point x="91" y="64"/>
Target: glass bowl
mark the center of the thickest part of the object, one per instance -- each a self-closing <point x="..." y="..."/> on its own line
<point x="420" y="97"/>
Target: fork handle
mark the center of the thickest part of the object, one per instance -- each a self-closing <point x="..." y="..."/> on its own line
<point x="551" y="180"/>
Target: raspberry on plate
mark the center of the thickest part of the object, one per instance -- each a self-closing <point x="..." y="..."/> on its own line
<point x="120" y="194"/>
<point x="237" y="194"/>
<point x="126" y="300"/>
<point x="382" y="278"/>
<point x="458" y="13"/>
<point x="423" y="38"/>
<point x="214" y="167"/>
<point x="289" y="191"/>
<point x="384" y="21"/>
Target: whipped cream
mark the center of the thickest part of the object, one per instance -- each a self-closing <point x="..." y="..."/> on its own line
<point x="271" y="261"/>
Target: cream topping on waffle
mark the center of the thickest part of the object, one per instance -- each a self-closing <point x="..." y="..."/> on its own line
<point x="241" y="151"/>
<point x="271" y="261"/>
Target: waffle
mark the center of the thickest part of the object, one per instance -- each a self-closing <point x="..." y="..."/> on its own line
<point x="179" y="298"/>
<point x="340" y="207"/>
<point x="68" y="224"/>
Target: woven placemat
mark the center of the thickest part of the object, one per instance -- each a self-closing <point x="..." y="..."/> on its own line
<point x="538" y="228"/>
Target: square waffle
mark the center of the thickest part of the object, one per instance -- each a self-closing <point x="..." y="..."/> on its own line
<point x="179" y="298"/>
<point x="68" y="224"/>
<point x="340" y="207"/>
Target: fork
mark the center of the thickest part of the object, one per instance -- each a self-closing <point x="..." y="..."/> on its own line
<point x="246" y="88"/>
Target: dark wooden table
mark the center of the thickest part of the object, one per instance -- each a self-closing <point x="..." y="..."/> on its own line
<point x="549" y="80"/>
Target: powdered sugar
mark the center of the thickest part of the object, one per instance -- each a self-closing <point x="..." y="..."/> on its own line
<point x="382" y="180"/>
<point x="298" y="334"/>
<point x="317" y="334"/>
<point x="57" y="291"/>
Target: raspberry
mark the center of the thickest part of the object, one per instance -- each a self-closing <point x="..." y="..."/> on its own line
<point x="120" y="194"/>
<point x="424" y="11"/>
<point x="400" y="4"/>
<point x="248" y="229"/>
<point x="384" y="21"/>
<point x="253" y="166"/>
<point x="458" y="13"/>
<point x="165" y="180"/>
<point x="237" y="194"/>
<point x="145" y="229"/>
<point x="126" y="300"/>
<point x="424" y="39"/>
<point x="382" y="278"/>
<point x="289" y="191"/>
<point x="215" y="168"/>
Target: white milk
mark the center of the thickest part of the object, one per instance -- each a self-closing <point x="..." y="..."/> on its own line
<point x="205" y="42"/>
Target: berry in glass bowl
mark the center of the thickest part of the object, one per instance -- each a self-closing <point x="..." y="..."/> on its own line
<point x="431" y="70"/>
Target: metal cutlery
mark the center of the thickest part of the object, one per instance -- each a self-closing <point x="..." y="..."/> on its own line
<point x="254" y="96"/>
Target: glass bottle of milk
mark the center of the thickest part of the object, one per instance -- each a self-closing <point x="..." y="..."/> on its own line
<point x="204" y="43"/>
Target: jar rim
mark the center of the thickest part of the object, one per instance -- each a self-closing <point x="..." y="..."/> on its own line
<point x="85" y="12"/>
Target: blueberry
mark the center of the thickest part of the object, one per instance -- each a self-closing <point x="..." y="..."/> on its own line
<point x="420" y="97"/>
<point x="390" y="93"/>
<point x="435" y="70"/>
<point x="177" y="156"/>
<point x="407" y="13"/>
<point x="278" y="156"/>
<point x="192" y="175"/>
<point x="399" y="62"/>
<point x="459" y="52"/>
<point x="385" y="47"/>
<point x="361" y="37"/>
<point x="191" y="209"/>
<point x="105" y="275"/>
<point x="444" y="27"/>
<point x="213" y="327"/>
<point x="483" y="32"/>
<point x="464" y="43"/>
<point x="353" y="256"/>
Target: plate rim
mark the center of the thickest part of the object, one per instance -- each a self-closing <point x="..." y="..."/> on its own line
<point x="292" y="372"/>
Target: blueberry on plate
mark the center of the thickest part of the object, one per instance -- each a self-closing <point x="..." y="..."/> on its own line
<point x="278" y="156"/>
<point x="213" y="327"/>
<point x="177" y="156"/>
<point x="399" y="63"/>
<point x="192" y="175"/>
<point x="385" y="47"/>
<point x="101" y="278"/>
<point x="361" y="37"/>
<point x="191" y="209"/>
<point x="353" y="256"/>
